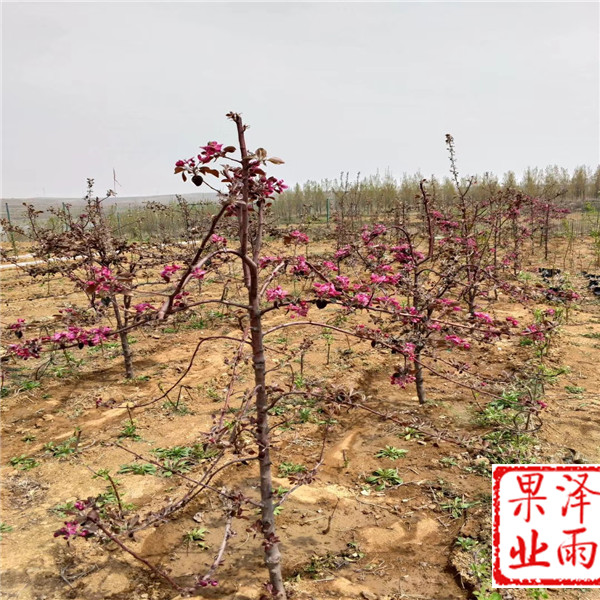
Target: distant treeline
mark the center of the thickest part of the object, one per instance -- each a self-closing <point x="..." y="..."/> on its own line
<point x="362" y="199"/>
<point x="375" y="194"/>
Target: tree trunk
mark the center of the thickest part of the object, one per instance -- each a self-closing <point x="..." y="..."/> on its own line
<point x="127" y="356"/>
<point x="419" y="377"/>
<point x="271" y="542"/>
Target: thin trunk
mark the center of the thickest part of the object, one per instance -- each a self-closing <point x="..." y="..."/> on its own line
<point x="271" y="542"/>
<point x="127" y="356"/>
<point x="419" y="377"/>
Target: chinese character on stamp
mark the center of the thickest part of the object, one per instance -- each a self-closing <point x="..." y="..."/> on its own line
<point x="546" y="525"/>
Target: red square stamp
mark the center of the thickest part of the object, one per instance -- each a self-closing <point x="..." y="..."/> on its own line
<point x="546" y="525"/>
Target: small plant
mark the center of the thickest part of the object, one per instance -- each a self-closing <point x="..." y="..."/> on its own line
<point x="280" y="491"/>
<point x="457" y="506"/>
<point x="213" y="394"/>
<point x="23" y="462"/>
<point x="392" y="453"/>
<point x="538" y="593"/>
<point x="4" y="528"/>
<point x="29" y="385"/>
<point x="66" y="448"/>
<point x="288" y="468"/>
<point x="409" y="433"/>
<point x="130" y="431"/>
<point x="137" y="469"/>
<point x="574" y="389"/>
<point x="29" y="437"/>
<point x="383" y="478"/>
<point x="304" y="415"/>
<point x="485" y="594"/>
<point x="196" y="537"/>
<point x="466" y="543"/>
<point x="448" y="461"/>
<point x="299" y="381"/>
<point x="593" y="336"/>
<point x="62" y="510"/>
<point x="177" y="409"/>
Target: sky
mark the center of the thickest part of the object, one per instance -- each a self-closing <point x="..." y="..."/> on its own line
<point x="327" y="87"/>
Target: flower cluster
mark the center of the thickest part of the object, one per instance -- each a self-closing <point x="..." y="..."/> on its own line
<point x="484" y="317"/>
<point x="102" y="280"/>
<point x="300" y="309"/>
<point x="90" y="337"/>
<point x="75" y="335"/>
<point x="458" y="342"/>
<point x="218" y="239"/>
<point x="28" y="349"/>
<point x="275" y="294"/>
<point x="17" y="328"/>
<point x="198" y="274"/>
<point x="169" y="271"/>
<point x="343" y="252"/>
<point x="142" y="307"/>
<point x="326" y="290"/>
<point x="265" y="261"/>
<point x="368" y="235"/>
<point x="72" y="529"/>
<point x="535" y="333"/>
<point x="299" y="237"/>
<point x="402" y="378"/>
<point x="301" y="267"/>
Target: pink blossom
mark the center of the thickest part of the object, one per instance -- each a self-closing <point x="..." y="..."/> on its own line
<point x="276" y="294"/>
<point x="72" y="529"/>
<point x="29" y="349"/>
<point x="17" y="325"/>
<point x="342" y="282"/>
<point x="212" y="148"/>
<point x="267" y="260"/>
<point x="458" y="341"/>
<point x="484" y="317"/>
<point x="301" y="267"/>
<point x="102" y="280"/>
<point x="362" y="299"/>
<point x="402" y="379"/>
<point x="168" y="271"/>
<point x="534" y="332"/>
<point x="368" y="235"/>
<point x="301" y="238"/>
<point x="198" y="273"/>
<point x="143" y="307"/>
<point x="326" y="289"/>
<point x="218" y="239"/>
<point x="413" y="315"/>
<point x="343" y="252"/>
<point x="331" y="266"/>
<point x="513" y="322"/>
<point x="300" y="309"/>
<point x="408" y="350"/>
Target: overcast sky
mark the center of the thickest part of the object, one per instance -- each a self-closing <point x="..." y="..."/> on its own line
<point x="328" y="87"/>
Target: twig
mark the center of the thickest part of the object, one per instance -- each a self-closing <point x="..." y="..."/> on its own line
<point x="326" y="530"/>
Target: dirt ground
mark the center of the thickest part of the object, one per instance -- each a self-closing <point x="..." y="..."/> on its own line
<point x="341" y="538"/>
